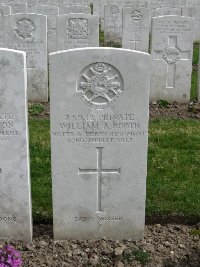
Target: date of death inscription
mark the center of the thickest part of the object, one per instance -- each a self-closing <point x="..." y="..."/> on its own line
<point x="106" y="128"/>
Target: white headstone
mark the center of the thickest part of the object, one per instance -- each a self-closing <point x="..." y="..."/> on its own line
<point x="164" y="3"/>
<point x="15" y="197"/>
<point x="44" y="10"/>
<point x="77" y="31"/>
<point x="107" y="2"/>
<point x="113" y="23"/>
<point x="193" y="12"/>
<point x="74" y="9"/>
<point x="192" y="2"/>
<point x="28" y="32"/>
<point x="18" y="8"/>
<point x="165" y="11"/>
<point x="99" y="125"/>
<point x="51" y="12"/>
<point x="171" y="53"/>
<point x="136" y="3"/>
<point x="97" y="8"/>
<point x="48" y="2"/>
<point x="31" y="3"/>
<point x="136" y="26"/>
<point x="5" y="10"/>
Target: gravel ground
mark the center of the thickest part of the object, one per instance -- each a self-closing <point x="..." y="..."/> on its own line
<point x="169" y="245"/>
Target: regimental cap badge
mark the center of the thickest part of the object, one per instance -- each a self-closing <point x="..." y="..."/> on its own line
<point x="100" y="85"/>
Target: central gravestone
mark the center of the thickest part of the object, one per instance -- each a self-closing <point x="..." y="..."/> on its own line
<point x="99" y="125"/>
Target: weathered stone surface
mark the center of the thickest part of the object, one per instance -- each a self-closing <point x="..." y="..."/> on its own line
<point x="15" y="199"/>
<point x="51" y="12"/>
<point x="44" y="10"/>
<point x="107" y="2"/>
<point x="74" y="9"/>
<point x="192" y="2"/>
<point x="136" y="26"/>
<point x="165" y="11"/>
<point x="63" y="2"/>
<point x="99" y="122"/>
<point x="164" y="3"/>
<point x="76" y="31"/>
<point x="113" y="23"/>
<point x="193" y="12"/>
<point x="136" y="3"/>
<point x="48" y="2"/>
<point x="18" y="8"/>
<point x="28" y="32"/>
<point x="4" y="10"/>
<point x="97" y="8"/>
<point x="171" y="54"/>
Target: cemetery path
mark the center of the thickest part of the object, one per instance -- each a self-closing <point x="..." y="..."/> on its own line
<point x="160" y="109"/>
<point x="163" y="246"/>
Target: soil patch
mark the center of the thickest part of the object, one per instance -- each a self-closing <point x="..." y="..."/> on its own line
<point x="163" y="246"/>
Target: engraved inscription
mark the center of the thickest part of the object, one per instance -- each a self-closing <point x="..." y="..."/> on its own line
<point x="84" y="219"/>
<point x="110" y="219"/>
<point x="114" y="10"/>
<point x="99" y="85"/>
<point x="136" y="15"/>
<point x="99" y="171"/>
<point x="99" y="128"/>
<point x="25" y="28"/>
<point x="7" y="127"/>
<point x="8" y="219"/>
<point x="77" y="28"/>
<point x="173" y="27"/>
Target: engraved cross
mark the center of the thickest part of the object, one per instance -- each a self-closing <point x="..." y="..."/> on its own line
<point x="99" y="171"/>
<point x="133" y="43"/>
<point x="171" y="55"/>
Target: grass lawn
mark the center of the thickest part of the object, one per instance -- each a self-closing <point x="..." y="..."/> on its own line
<point x="40" y="169"/>
<point x="173" y="184"/>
